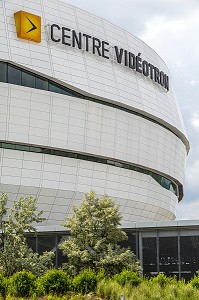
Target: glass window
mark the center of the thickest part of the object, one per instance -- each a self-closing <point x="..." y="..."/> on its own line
<point x="8" y="146"/>
<point x="41" y="84"/>
<point x="149" y="256"/>
<point x="51" y="151"/>
<point x="66" y="92"/>
<point x="3" y="68"/>
<point x="22" y="147"/>
<point x="60" y="257"/>
<point x="189" y="249"/>
<point x="72" y="155"/>
<point x="168" y="247"/>
<point x="35" y="149"/>
<point x="91" y="158"/>
<point x="165" y="183"/>
<point x="45" y="150"/>
<point x="130" y="242"/>
<point x="59" y="153"/>
<point x="55" y="88"/>
<point x="76" y="94"/>
<point x="28" y="80"/>
<point x="31" y="241"/>
<point x="14" y="75"/>
<point x="47" y="243"/>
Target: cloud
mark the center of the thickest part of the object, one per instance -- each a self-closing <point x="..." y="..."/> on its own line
<point x="192" y="175"/>
<point x="133" y="15"/>
<point x="188" y="211"/>
<point x="194" y="82"/>
<point x="195" y="120"/>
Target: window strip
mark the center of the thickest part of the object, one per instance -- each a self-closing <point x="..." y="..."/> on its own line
<point x="163" y="181"/>
<point x="43" y="83"/>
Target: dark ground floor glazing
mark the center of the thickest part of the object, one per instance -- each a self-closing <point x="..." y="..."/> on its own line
<point x="172" y="251"/>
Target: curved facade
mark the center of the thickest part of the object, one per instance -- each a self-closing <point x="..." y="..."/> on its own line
<point x="84" y="109"/>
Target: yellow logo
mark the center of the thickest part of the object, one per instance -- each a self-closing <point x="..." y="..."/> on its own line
<point x="28" y="26"/>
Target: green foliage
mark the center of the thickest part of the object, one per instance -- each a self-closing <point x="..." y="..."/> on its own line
<point x="2" y="285"/>
<point x="55" y="282"/>
<point x="86" y="281"/>
<point x="195" y="282"/>
<point x="163" y="280"/>
<point x="109" y="289"/>
<point x="22" y="284"/>
<point x="95" y="232"/>
<point x="15" y="255"/>
<point x="127" y="276"/>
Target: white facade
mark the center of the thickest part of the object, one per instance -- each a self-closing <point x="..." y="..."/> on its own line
<point x="154" y="139"/>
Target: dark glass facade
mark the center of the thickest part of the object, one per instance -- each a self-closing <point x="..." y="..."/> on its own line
<point x="172" y="251"/>
<point x="168" y="255"/>
<point x="149" y="245"/>
<point x="189" y="253"/>
<point x="48" y="242"/>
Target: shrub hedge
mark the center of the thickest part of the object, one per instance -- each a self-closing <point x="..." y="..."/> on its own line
<point x="55" y="282"/>
<point x="88" y="285"/>
<point x="22" y="284"/>
<point x="87" y="281"/>
<point x="127" y="276"/>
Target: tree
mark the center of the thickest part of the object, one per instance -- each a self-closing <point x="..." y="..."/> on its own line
<point x="15" y="255"/>
<point x="94" y="234"/>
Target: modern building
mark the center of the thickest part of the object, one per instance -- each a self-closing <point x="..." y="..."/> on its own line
<point x="86" y="105"/>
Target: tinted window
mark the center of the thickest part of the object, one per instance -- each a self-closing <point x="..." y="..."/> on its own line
<point x="54" y="88"/>
<point x="28" y="80"/>
<point x="66" y="92"/>
<point x="14" y="75"/>
<point x="168" y="256"/>
<point x="189" y="249"/>
<point x="149" y="256"/>
<point x="2" y="72"/>
<point x="41" y="84"/>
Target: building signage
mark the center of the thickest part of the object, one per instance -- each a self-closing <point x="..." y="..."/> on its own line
<point x="69" y="37"/>
<point x="28" y="26"/>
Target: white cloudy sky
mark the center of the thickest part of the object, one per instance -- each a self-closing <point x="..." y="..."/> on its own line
<point x="171" y="27"/>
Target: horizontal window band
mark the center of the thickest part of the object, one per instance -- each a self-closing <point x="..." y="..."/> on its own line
<point x="9" y="73"/>
<point x="163" y="181"/>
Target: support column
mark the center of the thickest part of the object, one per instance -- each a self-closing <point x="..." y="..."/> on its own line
<point x="137" y="245"/>
<point x="179" y="256"/>
<point x="140" y="250"/>
<point x="36" y="238"/>
<point x="158" y="251"/>
<point x="56" y="248"/>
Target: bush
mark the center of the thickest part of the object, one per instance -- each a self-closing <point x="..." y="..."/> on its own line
<point x="54" y="282"/>
<point x="195" y="282"/>
<point x="163" y="280"/>
<point x="127" y="276"/>
<point x="109" y="289"/>
<point x="86" y="281"/>
<point x="22" y="284"/>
